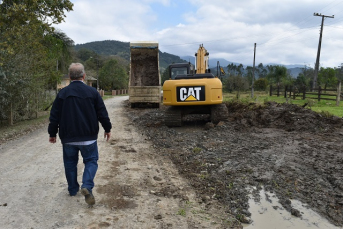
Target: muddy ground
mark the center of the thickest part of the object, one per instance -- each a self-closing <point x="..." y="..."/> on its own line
<point x="289" y="150"/>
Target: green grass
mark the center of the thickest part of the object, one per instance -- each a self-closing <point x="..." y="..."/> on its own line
<point x="182" y="212"/>
<point x="22" y="127"/>
<point x="323" y="106"/>
<point x="107" y="97"/>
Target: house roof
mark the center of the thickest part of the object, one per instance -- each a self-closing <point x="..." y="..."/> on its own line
<point x="90" y="77"/>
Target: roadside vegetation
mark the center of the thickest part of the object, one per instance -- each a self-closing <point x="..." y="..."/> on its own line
<point x="8" y="132"/>
<point x="35" y="56"/>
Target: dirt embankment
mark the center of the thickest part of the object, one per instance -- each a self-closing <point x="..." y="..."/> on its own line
<point x="290" y="151"/>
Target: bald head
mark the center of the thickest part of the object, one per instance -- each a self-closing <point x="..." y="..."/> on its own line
<point x="76" y="71"/>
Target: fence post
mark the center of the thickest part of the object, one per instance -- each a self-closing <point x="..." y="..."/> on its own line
<point x="319" y="92"/>
<point x="278" y="90"/>
<point x="294" y="92"/>
<point x="304" y="93"/>
<point x="286" y="88"/>
<point x="338" y="98"/>
<point x="270" y="90"/>
<point x="290" y="92"/>
<point x="10" y="118"/>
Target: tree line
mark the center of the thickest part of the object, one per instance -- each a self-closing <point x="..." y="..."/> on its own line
<point x="34" y="56"/>
<point x="30" y="51"/>
<point x="239" y="78"/>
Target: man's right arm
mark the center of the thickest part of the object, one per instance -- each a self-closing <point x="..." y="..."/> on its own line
<point x="107" y="136"/>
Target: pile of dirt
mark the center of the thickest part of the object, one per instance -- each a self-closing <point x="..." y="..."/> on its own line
<point x="286" y="149"/>
<point x="284" y="116"/>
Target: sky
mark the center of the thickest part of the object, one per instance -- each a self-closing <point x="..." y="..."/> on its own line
<point x="285" y="32"/>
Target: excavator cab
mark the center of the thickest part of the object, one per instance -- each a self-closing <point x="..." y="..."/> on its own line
<point x="180" y="69"/>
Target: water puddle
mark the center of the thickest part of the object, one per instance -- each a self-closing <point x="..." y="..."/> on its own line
<point x="269" y="214"/>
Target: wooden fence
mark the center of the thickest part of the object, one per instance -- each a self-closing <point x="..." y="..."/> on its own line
<point x="302" y="93"/>
<point x="114" y="92"/>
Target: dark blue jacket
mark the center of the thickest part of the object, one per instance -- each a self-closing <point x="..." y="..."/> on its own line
<point x="76" y="113"/>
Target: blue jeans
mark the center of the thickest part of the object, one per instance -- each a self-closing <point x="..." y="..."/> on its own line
<point x="90" y="159"/>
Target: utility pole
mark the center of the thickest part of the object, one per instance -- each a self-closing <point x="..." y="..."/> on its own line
<point x="319" y="47"/>
<point x="253" y="73"/>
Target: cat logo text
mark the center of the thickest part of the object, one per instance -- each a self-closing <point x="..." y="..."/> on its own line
<point x="190" y="94"/>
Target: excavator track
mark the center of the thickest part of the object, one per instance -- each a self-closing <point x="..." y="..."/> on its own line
<point x="173" y="117"/>
<point x="219" y="113"/>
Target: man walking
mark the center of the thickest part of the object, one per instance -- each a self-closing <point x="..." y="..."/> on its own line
<point x="75" y="115"/>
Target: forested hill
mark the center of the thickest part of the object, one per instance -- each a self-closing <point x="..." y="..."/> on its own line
<point x="122" y="49"/>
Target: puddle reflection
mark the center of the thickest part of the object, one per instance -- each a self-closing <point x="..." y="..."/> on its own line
<point x="269" y="214"/>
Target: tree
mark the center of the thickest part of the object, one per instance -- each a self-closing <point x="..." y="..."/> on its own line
<point x="277" y="73"/>
<point x="113" y="76"/>
<point x="236" y="83"/>
<point x="232" y="69"/>
<point x="261" y="84"/>
<point x="59" y="47"/>
<point x="249" y="73"/>
<point x="262" y="71"/>
<point x="302" y="81"/>
<point x="240" y="69"/>
<point x="165" y="76"/>
<point x="27" y="54"/>
<point x="21" y="12"/>
<point x="327" y="77"/>
<point x="85" y="54"/>
<point x="339" y="73"/>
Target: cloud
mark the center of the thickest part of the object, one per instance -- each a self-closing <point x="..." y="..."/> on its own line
<point x="286" y="32"/>
<point x="95" y="20"/>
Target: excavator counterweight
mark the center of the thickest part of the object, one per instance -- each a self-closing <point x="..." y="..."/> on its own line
<point x="193" y="92"/>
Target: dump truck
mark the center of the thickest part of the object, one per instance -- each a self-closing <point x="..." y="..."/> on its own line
<point x="145" y="79"/>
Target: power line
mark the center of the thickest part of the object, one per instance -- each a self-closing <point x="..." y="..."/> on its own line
<point x="281" y="37"/>
<point x="336" y="21"/>
<point x="288" y="36"/>
<point x="336" y="27"/>
<point x="325" y="8"/>
<point x="339" y="2"/>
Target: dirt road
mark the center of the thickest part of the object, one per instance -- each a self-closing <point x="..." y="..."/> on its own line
<point x="135" y="186"/>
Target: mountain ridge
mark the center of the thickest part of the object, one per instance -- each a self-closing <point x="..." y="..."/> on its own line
<point x="122" y="49"/>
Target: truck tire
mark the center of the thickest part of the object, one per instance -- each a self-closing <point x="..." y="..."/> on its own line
<point x="219" y="113"/>
<point x="173" y="117"/>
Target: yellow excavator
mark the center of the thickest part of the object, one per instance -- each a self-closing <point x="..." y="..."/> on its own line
<point x="193" y="91"/>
